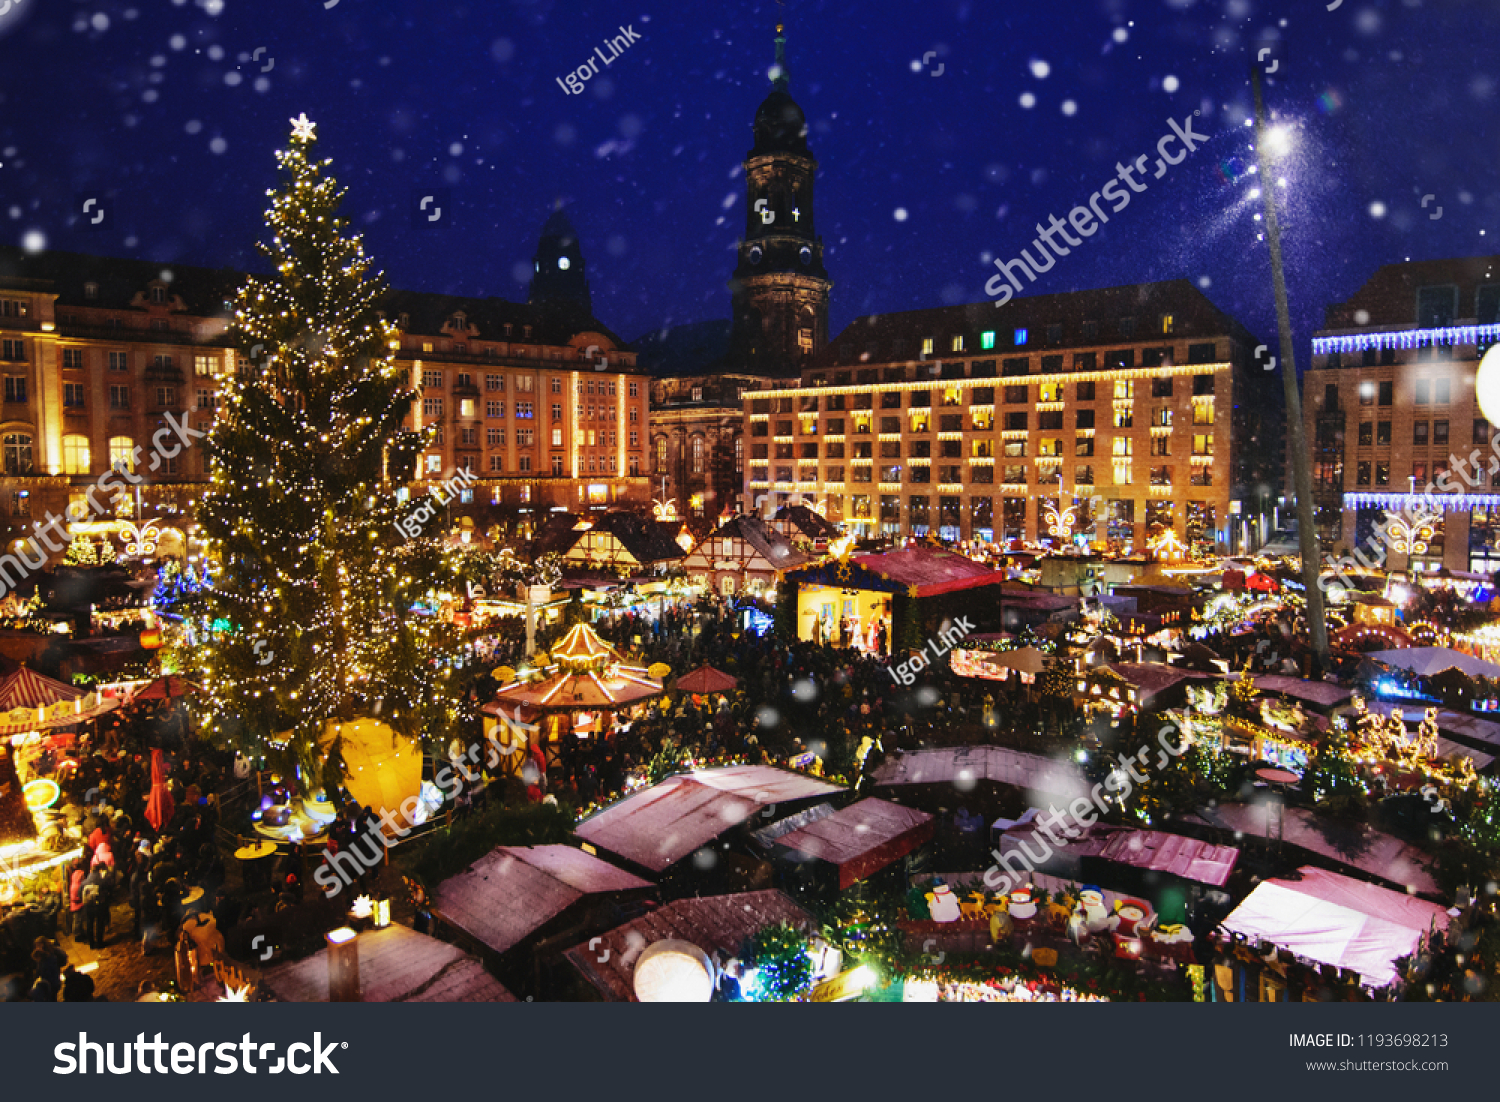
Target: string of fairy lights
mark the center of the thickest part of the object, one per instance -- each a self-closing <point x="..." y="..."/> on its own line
<point x="306" y="616"/>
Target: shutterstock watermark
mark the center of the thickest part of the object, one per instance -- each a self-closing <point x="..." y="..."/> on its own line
<point x="160" y="1057"/>
<point x="118" y="478"/>
<point x="1085" y="220"/>
<point x="411" y="525"/>
<point x="906" y="672"/>
<point x="346" y="866"/>
<point x="1080" y="813"/>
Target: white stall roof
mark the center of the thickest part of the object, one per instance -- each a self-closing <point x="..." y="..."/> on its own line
<point x="513" y="890"/>
<point x="1335" y="920"/>
<point x="663" y="824"/>
<point x="1049" y="780"/>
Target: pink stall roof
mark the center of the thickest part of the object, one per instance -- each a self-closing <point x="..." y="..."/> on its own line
<point x="396" y="965"/>
<point x="1338" y="921"/>
<point x="513" y="890"/>
<point x="663" y="824"/>
<point x="1172" y="853"/>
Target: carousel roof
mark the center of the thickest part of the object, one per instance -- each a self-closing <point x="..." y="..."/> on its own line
<point x="582" y="644"/>
<point x="587" y="674"/>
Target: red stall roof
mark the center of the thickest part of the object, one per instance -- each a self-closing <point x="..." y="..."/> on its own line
<point x="862" y="838"/>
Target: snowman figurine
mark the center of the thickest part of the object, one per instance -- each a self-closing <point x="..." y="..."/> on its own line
<point x="1096" y="917"/>
<point x="1130" y="917"/>
<point x="1022" y="905"/>
<point x="942" y="904"/>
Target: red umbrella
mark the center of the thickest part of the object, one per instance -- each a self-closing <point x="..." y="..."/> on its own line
<point x="159" y="805"/>
<point x="170" y="686"/>
<point x="706" y="679"/>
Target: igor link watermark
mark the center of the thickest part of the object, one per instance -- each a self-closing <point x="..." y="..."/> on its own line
<point x="410" y="525"/>
<point x="1080" y="813"/>
<point x="1085" y="219"/>
<point x="590" y="68"/>
<point x="29" y="555"/>
<point x="906" y="672"/>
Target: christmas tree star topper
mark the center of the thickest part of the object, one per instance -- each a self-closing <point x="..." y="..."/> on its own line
<point x="302" y="128"/>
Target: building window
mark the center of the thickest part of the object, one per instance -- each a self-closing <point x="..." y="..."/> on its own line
<point x="118" y="361"/>
<point x="525" y="438"/>
<point x="122" y="453"/>
<point x="1366" y="433"/>
<point x="1166" y="324"/>
<point x="1382" y="474"/>
<point x="17" y="453"/>
<point x="166" y="397"/>
<point x="467" y="407"/>
<point x="697" y="452"/>
<point x="75" y="447"/>
<point x="494" y="382"/>
<point x="1423" y="396"/>
<point x="1440" y="433"/>
<point x="73" y="395"/>
<point x="697" y="394"/>
<point x="1386" y="393"/>
<point x="494" y="409"/>
<point x="661" y="454"/>
<point x="1124" y="388"/>
<point x="73" y="357"/>
<point x="556" y="385"/>
<point x="1419" y="434"/>
<point x="432" y="407"/>
<point x="987" y="340"/>
<point x="497" y="464"/>
<point x="119" y="397"/>
<point x="525" y="464"/>
<point x="432" y="380"/>
<point x="204" y="365"/>
<point x="557" y="436"/>
<point x="468" y="436"/>
<point x="12" y="350"/>
<point x="1203" y="444"/>
<point x="495" y="438"/>
<point x="1362" y="473"/>
<point x="1382" y="433"/>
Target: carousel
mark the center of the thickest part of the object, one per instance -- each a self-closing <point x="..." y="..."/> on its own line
<point x="585" y="684"/>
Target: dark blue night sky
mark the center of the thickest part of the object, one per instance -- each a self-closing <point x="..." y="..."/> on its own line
<point x="923" y="179"/>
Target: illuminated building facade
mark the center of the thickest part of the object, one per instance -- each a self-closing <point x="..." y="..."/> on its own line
<point x="537" y="399"/>
<point x="1390" y="414"/>
<point x="1109" y="416"/>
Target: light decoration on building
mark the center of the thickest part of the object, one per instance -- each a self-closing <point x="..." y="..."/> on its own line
<point x="1406" y="338"/>
<point x="664" y="510"/>
<point x="1409" y="538"/>
<point x="1168" y="546"/>
<point x="1364" y="499"/>
<point x="140" y="542"/>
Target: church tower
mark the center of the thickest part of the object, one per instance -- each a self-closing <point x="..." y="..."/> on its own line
<point x="558" y="274"/>
<point x="780" y="288"/>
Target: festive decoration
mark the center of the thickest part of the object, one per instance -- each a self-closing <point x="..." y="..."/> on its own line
<point x="81" y="552"/>
<point x="1409" y="538"/>
<point x="306" y="620"/>
<point x="942" y="904"/>
<point x="777" y="965"/>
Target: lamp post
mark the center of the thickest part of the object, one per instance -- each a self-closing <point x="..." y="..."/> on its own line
<point x="1296" y="437"/>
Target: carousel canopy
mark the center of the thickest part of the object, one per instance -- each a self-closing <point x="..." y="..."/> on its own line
<point x="586" y="674"/>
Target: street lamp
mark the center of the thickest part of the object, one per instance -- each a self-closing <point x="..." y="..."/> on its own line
<point x="1296" y="436"/>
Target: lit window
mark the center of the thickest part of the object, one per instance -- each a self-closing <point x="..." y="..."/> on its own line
<point x="926" y="346"/>
<point x="1020" y="337"/>
<point x="75" y="454"/>
<point x="557" y="437"/>
<point x="434" y="464"/>
<point x="18" y="453"/>
<point x="987" y="339"/>
<point x="958" y="343"/>
<point x="122" y="453"/>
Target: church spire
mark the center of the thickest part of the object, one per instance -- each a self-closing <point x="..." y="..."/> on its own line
<point x="778" y="71"/>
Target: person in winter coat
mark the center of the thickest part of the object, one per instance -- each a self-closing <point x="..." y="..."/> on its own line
<point x="76" y="986"/>
<point x="95" y="912"/>
<point x="76" y="877"/>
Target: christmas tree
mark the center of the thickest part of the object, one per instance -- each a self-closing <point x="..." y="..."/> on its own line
<point x="81" y="553"/>
<point x="304" y="619"/>
<point x="1332" y="771"/>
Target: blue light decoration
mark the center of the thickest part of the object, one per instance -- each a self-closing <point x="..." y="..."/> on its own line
<point x="757" y="621"/>
<point x="1361" y="499"/>
<point x="1388" y="689"/>
<point x="1407" y="338"/>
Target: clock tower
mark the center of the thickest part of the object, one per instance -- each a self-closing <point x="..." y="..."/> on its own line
<point x="780" y="288"/>
<point x="557" y="268"/>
